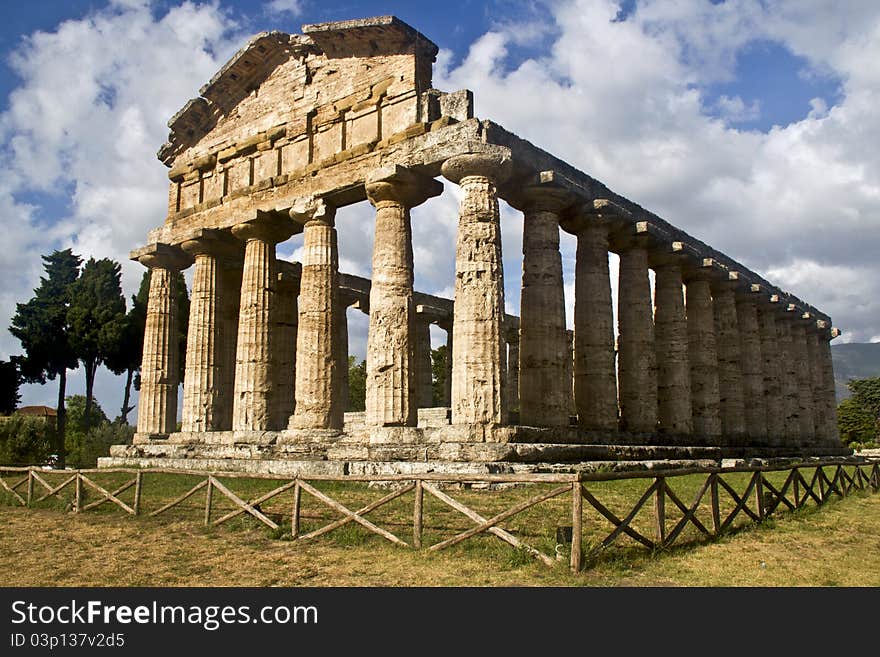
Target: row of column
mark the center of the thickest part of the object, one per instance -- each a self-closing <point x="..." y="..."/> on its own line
<point x="704" y="359"/>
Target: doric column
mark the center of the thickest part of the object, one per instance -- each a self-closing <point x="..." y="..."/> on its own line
<point x="831" y="434"/>
<point x="477" y="371"/>
<point x="673" y="365"/>
<point x="157" y="402"/>
<point x="770" y="355"/>
<point x="316" y="342"/>
<point x="340" y="344"/>
<point x="390" y="368"/>
<point x="447" y="388"/>
<point x="544" y="391"/>
<point x="637" y="364"/>
<point x="752" y="363"/>
<point x="513" y="369"/>
<point x="806" y="419"/>
<point x="286" y="320"/>
<point x="203" y="392"/>
<point x="727" y="340"/>
<point x="422" y="362"/>
<point x="595" y="376"/>
<point x="705" y="397"/>
<point x="788" y="367"/>
<point x="253" y="354"/>
<point x="816" y="379"/>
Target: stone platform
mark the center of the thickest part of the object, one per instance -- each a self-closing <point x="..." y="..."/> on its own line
<point x="434" y="446"/>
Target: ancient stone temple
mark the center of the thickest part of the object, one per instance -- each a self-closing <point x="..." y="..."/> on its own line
<point x="717" y="362"/>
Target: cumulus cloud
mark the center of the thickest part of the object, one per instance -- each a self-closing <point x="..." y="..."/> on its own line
<point x="799" y="204"/>
<point x="284" y="7"/>
<point x="81" y="132"/>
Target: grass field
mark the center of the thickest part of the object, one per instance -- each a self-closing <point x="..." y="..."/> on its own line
<point x="46" y="545"/>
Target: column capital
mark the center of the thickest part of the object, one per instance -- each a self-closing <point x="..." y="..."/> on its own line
<point x="730" y="282"/>
<point x="751" y="294"/>
<point x="593" y="215"/>
<point x="673" y="254"/>
<point x="704" y="269"/>
<point x="271" y="227"/>
<point x="639" y="235"/>
<point x="495" y="165"/>
<point x="400" y="185"/>
<point x="540" y="192"/>
<point x="164" y="256"/>
<point x="209" y="241"/>
<point x="312" y="211"/>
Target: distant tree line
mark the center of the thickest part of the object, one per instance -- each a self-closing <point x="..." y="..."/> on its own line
<point x="78" y="316"/>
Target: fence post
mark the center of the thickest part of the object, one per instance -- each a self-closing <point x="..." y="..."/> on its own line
<point x="759" y="494"/>
<point x="209" y="496"/>
<point x="716" y="511"/>
<point x="77" y="505"/>
<point x="660" y="512"/>
<point x="294" y="520"/>
<point x="577" y="519"/>
<point x="138" y="482"/>
<point x="30" y="485"/>
<point x="418" y="510"/>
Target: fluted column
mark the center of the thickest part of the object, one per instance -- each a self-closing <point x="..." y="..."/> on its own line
<point x="230" y="302"/>
<point x="513" y="369"/>
<point x="544" y="390"/>
<point x="595" y="376"/>
<point x="251" y="410"/>
<point x="447" y="388"/>
<point x="831" y="435"/>
<point x="788" y="367"/>
<point x="157" y="402"/>
<point x="673" y="364"/>
<point x="637" y="365"/>
<point x="390" y="365"/>
<point x="202" y="384"/>
<point x="286" y="320"/>
<point x="422" y="362"/>
<point x="340" y="346"/>
<point x="477" y="371"/>
<point x="752" y="364"/>
<point x="727" y="339"/>
<point x="816" y="381"/>
<point x="770" y="350"/>
<point x="806" y="419"/>
<point x="316" y="351"/>
<point x="706" y="402"/>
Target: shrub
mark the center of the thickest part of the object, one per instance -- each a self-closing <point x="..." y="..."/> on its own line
<point x="25" y="441"/>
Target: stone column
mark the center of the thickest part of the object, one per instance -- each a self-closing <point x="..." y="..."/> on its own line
<point x="789" y="376"/>
<point x="422" y="361"/>
<point x="806" y="420"/>
<point x="595" y="375"/>
<point x="477" y="372"/>
<point x="230" y="276"/>
<point x="253" y="354"/>
<point x="316" y="344"/>
<point x="202" y="385"/>
<point x="831" y="434"/>
<point x="703" y="358"/>
<point x="447" y="389"/>
<point x="513" y="370"/>
<point x="157" y="402"/>
<point x="816" y="380"/>
<point x="544" y="391"/>
<point x="727" y="340"/>
<point x="390" y="367"/>
<point x="286" y="319"/>
<point x="340" y="345"/>
<point x="752" y="364"/>
<point x="673" y="364"/>
<point x="770" y="355"/>
<point x="637" y="365"/>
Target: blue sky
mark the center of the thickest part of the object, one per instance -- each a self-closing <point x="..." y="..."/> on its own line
<point x="746" y="123"/>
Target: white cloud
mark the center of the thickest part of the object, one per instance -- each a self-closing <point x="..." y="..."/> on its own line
<point x="280" y="7"/>
<point x="735" y="109"/>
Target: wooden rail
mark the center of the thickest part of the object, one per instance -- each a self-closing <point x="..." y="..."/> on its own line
<point x="760" y="499"/>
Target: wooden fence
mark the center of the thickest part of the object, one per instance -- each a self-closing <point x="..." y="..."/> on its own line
<point x="760" y="499"/>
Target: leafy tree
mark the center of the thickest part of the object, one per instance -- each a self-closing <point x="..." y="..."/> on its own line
<point x="357" y="384"/>
<point x="41" y="327"/>
<point x="96" y="319"/>
<point x="85" y="446"/>
<point x="438" y="375"/>
<point x="125" y="355"/>
<point x="9" y="383"/>
<point x="26" y="440"/>
<point x="858" y="418"/>
<point x="866" y="393"/>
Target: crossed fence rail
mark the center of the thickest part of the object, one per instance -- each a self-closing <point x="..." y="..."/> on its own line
<point x="759" y="499"/>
